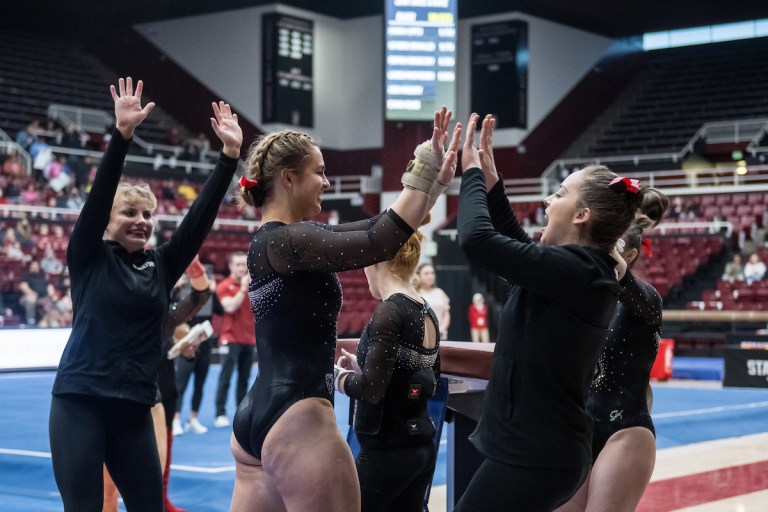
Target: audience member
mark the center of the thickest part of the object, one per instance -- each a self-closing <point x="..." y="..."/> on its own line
<point x="734" y="271"/>
<point x="50" y="264"/>
<point x="754" y="270"/>
<point x="28" y="136"/>
<point x="33" y="288"/>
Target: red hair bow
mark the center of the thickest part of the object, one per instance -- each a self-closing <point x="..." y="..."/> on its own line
<point x="646" y="247"/>
<point x="625" y="185"/>
<point x="246" y="183"/>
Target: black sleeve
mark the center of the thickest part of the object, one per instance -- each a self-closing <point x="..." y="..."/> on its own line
<point x="502" y="216"/>
<point x="383" y="339"/>
<point x="185" y="309"/>
<point x="358" y="225"/>
<point x="308" y="247"/>
<point x="218" y="309"/>
<point x="554" y="271"/>
<point x="187" y="239"/>
<point x="86" y="238"/>
<point x="641" y="298"/>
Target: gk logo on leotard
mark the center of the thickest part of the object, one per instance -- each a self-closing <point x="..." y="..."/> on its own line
<point x="616" y="414"/>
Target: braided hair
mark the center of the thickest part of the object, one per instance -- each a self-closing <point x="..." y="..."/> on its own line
<point x="267" y="156"/>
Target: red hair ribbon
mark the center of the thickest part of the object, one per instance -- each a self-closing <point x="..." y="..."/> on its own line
<point x="625" y="185"/>
<point x="646" y="247"/>
<point x="246" y="183"/>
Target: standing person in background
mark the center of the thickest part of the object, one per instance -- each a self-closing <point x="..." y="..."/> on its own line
<point x="198" y="367"/>
<point x="478" y="319"/>
<point x="395" y="372"/>
<point x="289" y="453"/>
<point x="534" y="432"/>
<point x="437" y="298"/>
<point x="624" y="442"/>
<point x="106" y="382"/>
<point x="237" y="334"/>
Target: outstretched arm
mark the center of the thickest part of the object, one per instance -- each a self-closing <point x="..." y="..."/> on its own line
<point x="94" y="217"/>
<point x="189" y="236"/>
<point x="431" y="164"/>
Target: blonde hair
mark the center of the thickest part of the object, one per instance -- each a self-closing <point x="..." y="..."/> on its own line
<point x="268" y="155"/>
<point x="133" y="192"/>
<point x="403" y="265"/>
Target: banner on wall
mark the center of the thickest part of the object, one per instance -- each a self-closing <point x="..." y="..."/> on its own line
<point x="287" y="86"/>
<point x="500" y="72"/>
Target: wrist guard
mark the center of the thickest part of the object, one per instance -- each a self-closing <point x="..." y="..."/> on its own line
<point x="422" y="171"/>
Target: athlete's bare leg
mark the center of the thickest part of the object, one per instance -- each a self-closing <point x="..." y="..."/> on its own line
<point x="305" y="462"/>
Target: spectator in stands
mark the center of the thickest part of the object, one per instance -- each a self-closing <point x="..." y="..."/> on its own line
<point x="13" y="190"/>
<point x="31" y="194"/>
<point x="333" y="217"/>
<point x="58" y="173"/>
<point x="174" y="137"/>
<point x="187" y="191"/>
<point x="289" y="453"/>
<point x="719" y="223"/>
<point x="734" y="270"/>
<point x="33" y="289"/>
<point x="70" y="138"/>
<point x="42" y="156"/>
<point x="438" y="300"/>
<point x="106" y="381"/>
<point x="50" y="264"/>
<point x="623" y="442"/>
<point x="395" y="372"/>
<point x="12" y="247"/>
<point x="24" y="233"/>
<point x="11" y="165"/>
<point x="28" y="136"/>
<point x="74" y="199"/>
<point x="534" y="431"/>
<point x="754" y="270"/>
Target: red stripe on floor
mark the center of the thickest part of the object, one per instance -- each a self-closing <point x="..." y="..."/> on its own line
<point x="700" y="488"/>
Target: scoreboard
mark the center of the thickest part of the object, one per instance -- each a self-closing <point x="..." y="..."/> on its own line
<point x="420" y="58"/>
<point x="287" y="87"/>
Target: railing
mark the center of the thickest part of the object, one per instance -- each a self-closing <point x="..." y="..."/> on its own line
<point x="736" y="131"/>
<point x="95" y="120"/>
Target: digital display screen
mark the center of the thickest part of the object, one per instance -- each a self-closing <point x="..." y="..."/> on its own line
<point x="420" y="58"/>
<point x="287" y="75"/>
<point x="500" y="72"/>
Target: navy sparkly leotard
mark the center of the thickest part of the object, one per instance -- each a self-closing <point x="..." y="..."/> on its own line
<point x="296" y="298"/>
<point x="617" y="396"/>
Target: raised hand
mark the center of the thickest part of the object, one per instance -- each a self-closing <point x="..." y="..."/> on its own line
<point x="128" y="111"/>
<point x="227" y="129"/>
<point x="440" y="131"/>
<point x="448" y="169"/>
<point x="487" y="163"/>
<point x="469" y="155"/>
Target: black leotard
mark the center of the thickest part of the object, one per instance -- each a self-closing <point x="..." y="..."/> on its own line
<point x="617" y="396"/>
<point x="391" y="394"/>
<point x="296" y="298"/>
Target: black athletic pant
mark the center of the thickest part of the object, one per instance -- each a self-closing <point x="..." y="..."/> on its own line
<point x="242" y="356"/>
<point x="86" y="432"/>
<point x="500" y="487"/>
<point x="185" y="368"/>
<point x="395" y="479"/>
